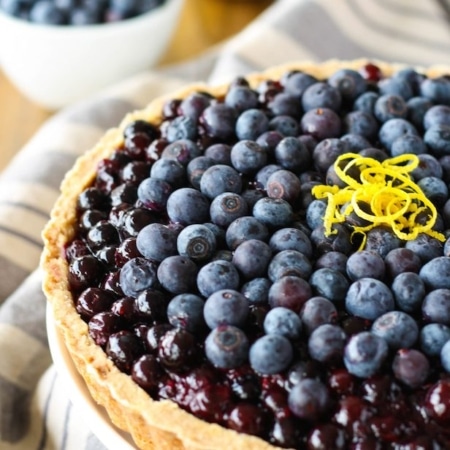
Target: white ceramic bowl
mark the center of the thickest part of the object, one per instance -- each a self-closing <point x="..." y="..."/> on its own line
<point x="56" y="65"/>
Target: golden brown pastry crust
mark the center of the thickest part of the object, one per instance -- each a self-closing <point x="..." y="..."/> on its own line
<point x="153" y="424"/>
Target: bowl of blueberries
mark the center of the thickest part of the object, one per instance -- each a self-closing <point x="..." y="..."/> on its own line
<point x="60" y="51"/>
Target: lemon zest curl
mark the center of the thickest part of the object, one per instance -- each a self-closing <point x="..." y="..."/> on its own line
<point x="387" y="190"/>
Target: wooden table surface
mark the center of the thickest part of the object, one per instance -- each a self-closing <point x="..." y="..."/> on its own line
<point x="203" y="23"/>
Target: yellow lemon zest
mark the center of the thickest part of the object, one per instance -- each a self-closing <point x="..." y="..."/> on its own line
<point x="394" y="200"/>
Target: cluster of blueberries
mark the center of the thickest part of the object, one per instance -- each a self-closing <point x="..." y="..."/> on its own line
<point x="77" y="12"/>
<point x="200" y="243"/>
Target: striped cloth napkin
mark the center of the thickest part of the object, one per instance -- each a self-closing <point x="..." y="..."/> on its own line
<point x="35" y="410"/>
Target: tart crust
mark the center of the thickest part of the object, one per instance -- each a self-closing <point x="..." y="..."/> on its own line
<point x="152" y="424"/>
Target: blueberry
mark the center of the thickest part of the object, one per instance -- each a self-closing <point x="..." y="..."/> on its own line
<point x="251" y="123"/>
<point x="170" y="171"/>
<point x="196" y="168"/>
<point x="46" y="13"/>
<point x="84" y="15"/>
<point x="355" y="142"/>
<point x="188" y="206"/>
<point x="283" y="321"/>
<point x="241" y="98"/>
<point x="397" y="328"/>
<point x="92" y="301"/>
<point x="321" y="123"/>
<point x="227" y="207"/>
<point x="366" y="102"/>
<point x="318" y="311"/>
<point x="251" y="196"/>
<point x="156" y="241"/>
<point x="309" y="399"/>
<point x="381" y="240"/>
<point x="390" y="106"/>
<point x="436" y="115"/>
<point x="147" y="373"/>
<point x="364" y="354"/>
<point x="273" y="212"/>
<point x="297" y="82"/>
<point x="291" y="239"/>
<point x="270" y="139"/>
<point x="186" y="311"/>
<point x="196" y="242"/>
<point x="270" y="354"/>
<point x="225" y="306"/>
<point x="411" y="367"/>
<point x="321" y="95"/>
<point x="153" y="193"/>
<point x="247" y="156"/>
<point x="363" y="264"/>
<point x="362" y="124"/>
<point x="218" y="121"/>
<point x="339" y="241"/>
<point x="219" y="179"/>
<point x="149" y="306"/>
<point x="252" y="258"/>
<point x="417" y="108"/>
<point x="349" y="83"/>
<point x="436" y="306"/>
<point x="256" y="291"/>
<point x="394" y="128"/>
<point x="408" y="143"/>
<point x="285" y="104"/>
<point x="401" y="260"/>
<point x="445" y="356"/>
<point x="15" y="8"/>
<point x="436" y="89"/>
<point x="436" y="273"/>
<point x="244" y="228"/>
<point x="181" y="150"/>
<point x="434" y="189"/>
<point x="433" y="336"/>
<point x="137" y="275"/>
<point x="409" y="291"/>
<point x="219" y="153"/>
<point x="289" y="263"/>
<point x="428" y="166"/>
<point x="283" y="184"/>
<point x="177" y="274"/>
<point x="315" y="213"/>
<point x="177" y="349"/>
<point x="291" y="292"/>
<point x="326" y="152"/>
<point x="333" y="260"/>
<point x="326" y="343"/>
<point x="395" y="86"/>
<point x="284" y="125"/>
<point x="217" y="275"/>
<point x="123" y="348"/>
<point x="292" y="154"/>
<point x="194" y="104"/>
<point x="437" y="138"/>
<point x="102" y="234"/>
<point x="226" y="347"/>
<point x="369" y="298"/>
<point x="329" y="283"/>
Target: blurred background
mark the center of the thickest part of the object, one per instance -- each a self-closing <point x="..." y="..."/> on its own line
<point x="202" y="24"/>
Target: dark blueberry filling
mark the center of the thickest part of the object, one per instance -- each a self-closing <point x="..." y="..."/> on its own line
<point x="204" y="268"/>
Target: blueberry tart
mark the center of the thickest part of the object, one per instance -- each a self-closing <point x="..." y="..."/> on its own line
<point x="265" y="264"/>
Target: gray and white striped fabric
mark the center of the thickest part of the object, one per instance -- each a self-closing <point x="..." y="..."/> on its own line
<point x="35" y="410"/>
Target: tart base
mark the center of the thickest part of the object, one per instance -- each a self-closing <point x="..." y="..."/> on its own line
<point x="153" y="424"/>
